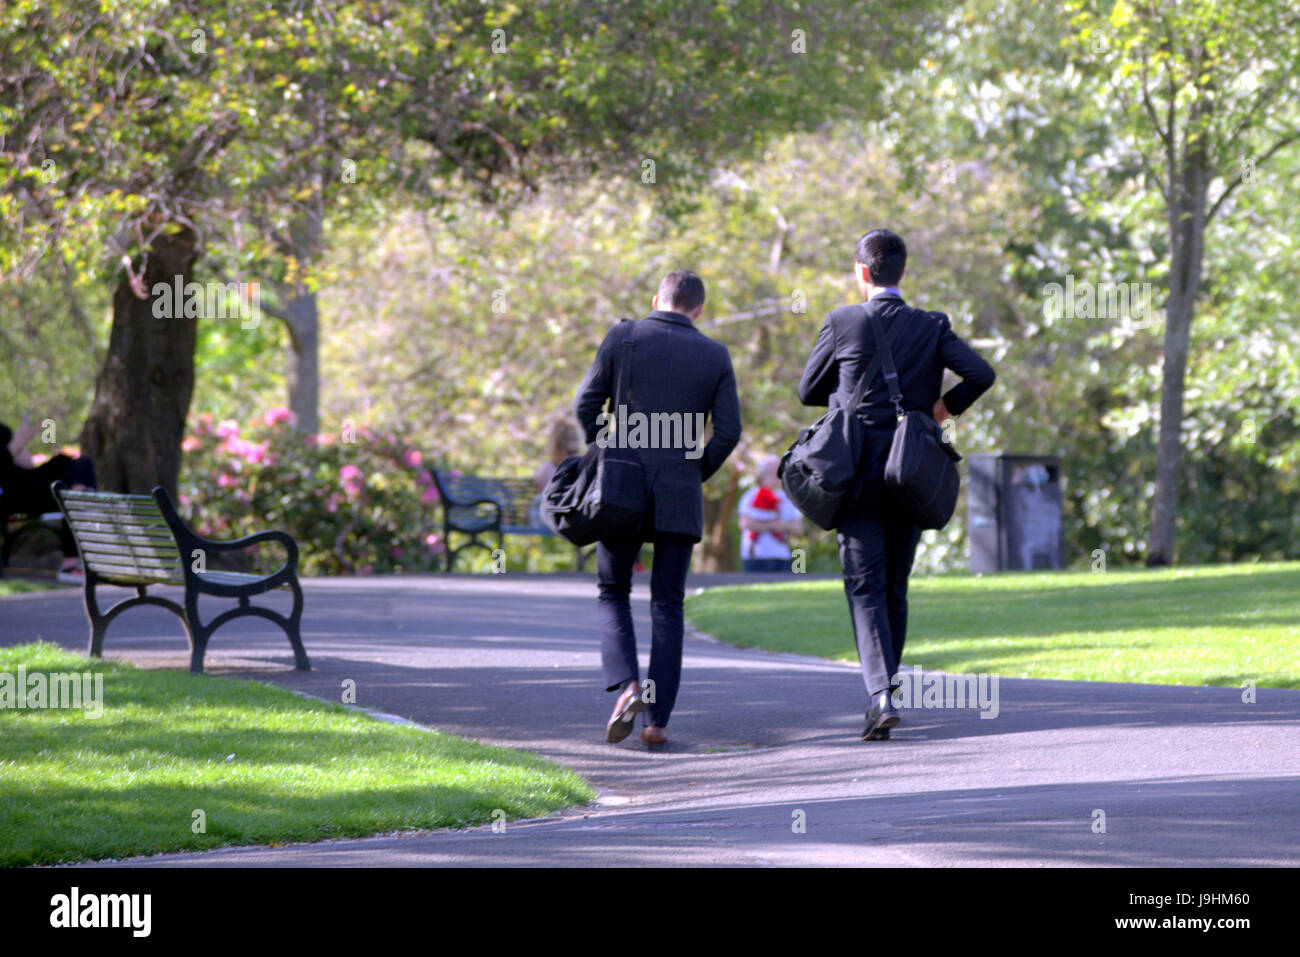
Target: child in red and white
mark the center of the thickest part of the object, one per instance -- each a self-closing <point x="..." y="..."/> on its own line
<point x="767" y="520"/>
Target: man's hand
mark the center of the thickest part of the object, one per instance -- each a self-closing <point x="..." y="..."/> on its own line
<point x="941" y="412"/>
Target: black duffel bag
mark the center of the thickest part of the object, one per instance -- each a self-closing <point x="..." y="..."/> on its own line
<point x="819" y="471"/>
<point x="602" y="493"/>
<point x="599" y="494"/>
<point x="922" y="466"/>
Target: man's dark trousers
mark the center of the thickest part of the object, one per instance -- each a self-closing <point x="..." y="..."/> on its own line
<point x="877" y="547"/>
<point x="672" y="560"/>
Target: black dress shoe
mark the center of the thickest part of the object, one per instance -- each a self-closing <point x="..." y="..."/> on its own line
<point x="881" y="716"/>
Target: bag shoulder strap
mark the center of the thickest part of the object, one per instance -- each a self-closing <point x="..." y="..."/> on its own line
<point x="886" y="356"/>
<point x="864" y="384"/>
<point x="622" y="378"/>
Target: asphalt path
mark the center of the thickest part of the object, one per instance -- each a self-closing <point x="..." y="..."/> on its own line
<point x="764" y="764"/>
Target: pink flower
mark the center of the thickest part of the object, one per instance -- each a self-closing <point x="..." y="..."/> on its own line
<point x="227" y="429"/>
<point x="225" y="480"/>
<point x="435" y="544"/>
<point x="190" y="444"/>
<point x="349" y="472"/>
<point x="413" y="457"/>
<point x="255" y="453"/>
<point x="424" y="478"/>
<point x="279" y="414"/>
<point x="430" y="495"/>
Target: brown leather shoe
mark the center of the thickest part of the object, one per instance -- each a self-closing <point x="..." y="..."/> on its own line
<point x="654" y="737"/>
<point x="626" y="708"/>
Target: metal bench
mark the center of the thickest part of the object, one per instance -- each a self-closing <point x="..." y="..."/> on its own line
<point x="140" y="541"/>
<point x="474" y="505"/>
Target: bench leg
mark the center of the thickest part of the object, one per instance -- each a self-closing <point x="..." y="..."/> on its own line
<point x="294" y="629"/>
<point x="98" y="624"/>
<point x="194" y="629"/>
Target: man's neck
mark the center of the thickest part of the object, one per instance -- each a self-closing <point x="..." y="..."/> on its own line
<point x="874" y="291"/>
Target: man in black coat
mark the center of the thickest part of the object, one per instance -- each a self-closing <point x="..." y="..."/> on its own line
<point x="668" y="377"/>
<point x="877" y="538"/>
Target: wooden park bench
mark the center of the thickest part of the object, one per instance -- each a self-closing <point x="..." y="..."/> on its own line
<point x="140" y="541"/>
<point x="474" y="505"/>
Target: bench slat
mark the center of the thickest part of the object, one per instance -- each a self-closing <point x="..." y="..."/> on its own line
<point x="135" y="539"/>
<point x="109" y="503"/>
<point x="105" y="515"/>
<point x="134" y="575"/>
<point x="129" y="558"/>
<point x="103" y="551"/>
<point x="107" y="524"/>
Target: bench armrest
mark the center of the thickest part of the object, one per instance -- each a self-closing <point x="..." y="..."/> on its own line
<point x="186" y="539"/>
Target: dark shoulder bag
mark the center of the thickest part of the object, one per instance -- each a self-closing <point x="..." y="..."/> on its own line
<point x="819" y="470"/>
<point x="922" y="465"/>
<point x="602" y="493"/>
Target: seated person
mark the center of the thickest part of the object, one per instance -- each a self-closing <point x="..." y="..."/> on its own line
<point x="767" y="520"/>
<point x="25" y="488"/>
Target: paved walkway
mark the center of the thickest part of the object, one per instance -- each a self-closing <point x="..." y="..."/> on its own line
<point x="1185" y="776"/>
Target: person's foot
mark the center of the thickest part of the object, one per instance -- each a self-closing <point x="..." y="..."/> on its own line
<point x="626" y="708"/>
<point x="654" y="737"/>
<point x="881" y="716"/>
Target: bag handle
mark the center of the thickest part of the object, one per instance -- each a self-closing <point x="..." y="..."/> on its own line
<point x="622" y="377"/>
<point x="887" y="357"/>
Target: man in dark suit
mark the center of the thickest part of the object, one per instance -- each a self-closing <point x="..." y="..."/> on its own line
<point x="877" y="538"/>
<point x="673" y="377"/>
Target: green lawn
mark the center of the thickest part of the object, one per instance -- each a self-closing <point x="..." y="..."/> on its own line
<point x="15" y="586"/>
<point x="1215" y="625"/>
<point x="264" y="765"/>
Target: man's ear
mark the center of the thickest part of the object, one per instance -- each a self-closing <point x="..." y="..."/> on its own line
<point x="654" y="302"/>
<point x="696" y="312"/>
<point x="901" y="275"/>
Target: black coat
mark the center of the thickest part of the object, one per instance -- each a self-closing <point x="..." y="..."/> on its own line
<point x="923" y="346"/>
<point x="671" y="368"/>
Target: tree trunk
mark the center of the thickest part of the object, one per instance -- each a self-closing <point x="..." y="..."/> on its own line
<point x="303" y="359"/>
<point x="1187" y="220"/>
<point x="717" y="550"/>
<point x="142" y="394"/>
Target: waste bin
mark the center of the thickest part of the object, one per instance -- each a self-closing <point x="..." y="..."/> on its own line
<point x="1013" y="513"/>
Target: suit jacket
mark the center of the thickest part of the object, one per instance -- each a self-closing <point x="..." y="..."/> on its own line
<point x="671" y="367"/>
<point x="923" y="346"/>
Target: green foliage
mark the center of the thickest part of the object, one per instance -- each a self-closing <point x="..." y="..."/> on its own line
<point x="356" y="502"/>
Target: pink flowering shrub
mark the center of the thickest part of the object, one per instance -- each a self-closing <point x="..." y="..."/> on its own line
<point x="353" y="507"/>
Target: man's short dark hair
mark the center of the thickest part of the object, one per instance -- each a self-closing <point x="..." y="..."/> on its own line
<point x="681" y="291"/>
<point x="884" y="255"/>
